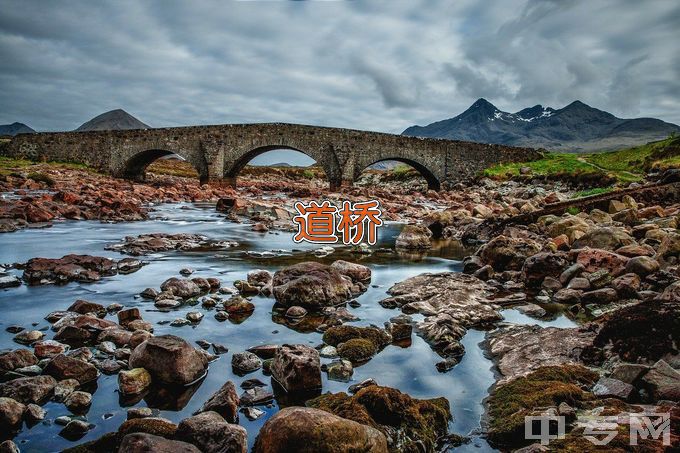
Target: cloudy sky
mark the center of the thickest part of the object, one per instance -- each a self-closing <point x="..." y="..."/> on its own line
<point x="375" y="65"/>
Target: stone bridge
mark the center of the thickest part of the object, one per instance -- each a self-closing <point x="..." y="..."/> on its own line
<point x="220" y="152"/>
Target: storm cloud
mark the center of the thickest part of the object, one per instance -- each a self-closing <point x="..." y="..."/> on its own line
<point x="378" y="65"/>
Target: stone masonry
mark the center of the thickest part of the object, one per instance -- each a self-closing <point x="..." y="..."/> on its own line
<point x="220" y="152"/>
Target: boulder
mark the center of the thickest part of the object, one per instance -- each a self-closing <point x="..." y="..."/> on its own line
<point x="84" y="307"/>
<point x="599" y="296"/>
<point x="663" y="381"/>
<point x="409" y="423"/>
<point x="542" y="265"/>
<point x="357" y="272"/>
<point x="642" y="265"/>
<point x="414" y="237"/>
<point x="225" y="402"/>
<point x="297" y="368"/>
<point x="613" y="388"/>
<point x="506" y="253"/>
<point x="181" y="287"/>
<point x="627" y="285"/>
<point x="134" y="381"/>
<point x="606" y="238"/>
<point x="260" y="278"/>
<point x="212" y="434"/>
<point x="35" y="389"/>
<point x="311" y="285"/>
<point x="170" y="360"/>
<point x="11" y="414"/>
<point x="78" y="402"/>
<point x="308" y="430"/>
<point x="519" y="350"/>
<point x="245" y="362"/>
<point x="596" y="259"/>
<point x="64" y="367"/>
<point x="18" y="358"/>
<point x="149" y="443"/>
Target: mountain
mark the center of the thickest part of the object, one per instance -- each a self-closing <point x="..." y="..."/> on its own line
<point x="114" y="120"/>
<point x="14" y="129"/>
<point x="575" y="128"/>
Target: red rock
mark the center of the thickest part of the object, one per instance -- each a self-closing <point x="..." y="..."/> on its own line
<point x="595" y="259"/>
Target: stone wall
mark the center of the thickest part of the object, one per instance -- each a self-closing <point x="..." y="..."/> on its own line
<point x="220" y="152"/>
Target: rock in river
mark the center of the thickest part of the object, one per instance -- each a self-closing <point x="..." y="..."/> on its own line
<point x="519" y="350"/>
<point x="297" y="368"/>
<point x="170" y="359"/>
<point x="143" y="442"/>
<point x="225" y="402"/>
<point x="36" y="389"/>
<point x="212" y="434"/>
<point x="452" y="302"/>
<point x="245" y="362"/>
<point x="311" y="285"/>
<point x="308" y="430"/>
<point x="414" y="237"/>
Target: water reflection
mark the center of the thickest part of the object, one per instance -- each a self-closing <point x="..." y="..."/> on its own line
<point x="408" y="367"/>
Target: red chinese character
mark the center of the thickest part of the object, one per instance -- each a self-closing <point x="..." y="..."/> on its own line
<point x="316" y="222"/>
<point x="360" y="222"/>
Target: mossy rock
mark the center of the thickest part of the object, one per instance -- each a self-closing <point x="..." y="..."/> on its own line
<point x="357" y="350"/>
<point x="340" y="334"/>
<point x="405" y="420"/>
<point x="547" y="386"/>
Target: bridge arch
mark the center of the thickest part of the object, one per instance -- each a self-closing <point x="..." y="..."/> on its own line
<point x="135" y="166"/>
<point x="327" y="161"/>
<point x="433" y="182"/>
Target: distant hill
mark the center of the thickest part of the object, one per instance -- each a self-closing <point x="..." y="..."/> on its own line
<point x="14" y="129"/>
<point x="384" y="165"/>
<point x="576" y="127"/>
<point x="114" y="120"/>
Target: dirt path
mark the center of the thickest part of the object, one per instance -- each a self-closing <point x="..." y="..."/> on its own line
<point x="585" y="161"/>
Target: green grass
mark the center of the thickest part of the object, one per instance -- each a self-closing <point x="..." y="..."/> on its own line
<point x="622" y="166"/>
<point x="640" y="159"/>
<point x="9" y="165"/>
<point x="551" y="164"/>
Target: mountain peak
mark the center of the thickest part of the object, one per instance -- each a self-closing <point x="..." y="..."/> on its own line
<point x="113" y="120"/>
<point x="15" y="128"/>
<point x="482" y="103"/>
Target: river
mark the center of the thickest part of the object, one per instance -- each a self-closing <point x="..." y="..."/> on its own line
<point x="410" y="369"/>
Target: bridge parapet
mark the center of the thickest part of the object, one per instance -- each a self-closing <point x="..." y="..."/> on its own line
<point x="220" y="152"/>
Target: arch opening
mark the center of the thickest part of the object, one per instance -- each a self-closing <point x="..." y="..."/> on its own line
<point x="268" y="166"/>
<point x="160" y="162"/>
<point x="409" y="173"/>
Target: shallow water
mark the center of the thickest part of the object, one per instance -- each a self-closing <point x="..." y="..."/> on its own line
<point x="410" y="369"/>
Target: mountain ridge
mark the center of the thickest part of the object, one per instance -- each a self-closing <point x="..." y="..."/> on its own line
<point x="577" y="127"/>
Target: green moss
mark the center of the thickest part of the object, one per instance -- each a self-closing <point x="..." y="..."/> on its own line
<point x="357" y="350"/>
<point x="42" y="177"/>
<point x="340" y="334"/>
<point x="404" y="419"/>
<point x="547" y="386"/>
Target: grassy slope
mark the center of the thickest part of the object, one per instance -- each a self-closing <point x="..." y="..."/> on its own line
<point x="625" y="165"/>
